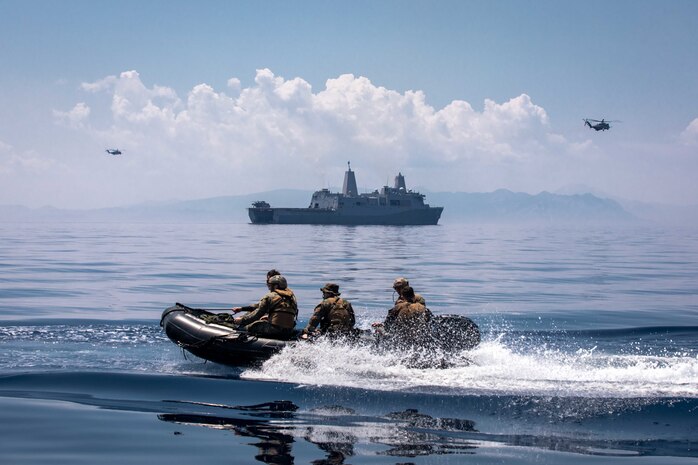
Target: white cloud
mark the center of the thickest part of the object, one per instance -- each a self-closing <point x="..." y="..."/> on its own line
<point x="75" y="117"/>
<point x="278" y="132"/>
<point x="350" y="112"/>
<point x="689" y="136"/>
<point x="133" y="102"/>
<point x="281" y="133"/>
<point x="235" y="84"/>
<point x="101" y="85"/>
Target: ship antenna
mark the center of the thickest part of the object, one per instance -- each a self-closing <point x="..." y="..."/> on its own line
<point x="349" y="166"/>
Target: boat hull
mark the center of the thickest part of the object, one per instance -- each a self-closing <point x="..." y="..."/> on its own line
<point x="186" y="327"/>
<point x="217" y="343"/>
<point x="378" y="216"/>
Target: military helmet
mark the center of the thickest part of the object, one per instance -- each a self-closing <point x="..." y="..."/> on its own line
<point x="408" y="293"/>
<point x="331" y="288"/>
<point x="399" y="283"/>
<point x="278" y="281"/>
<point x="272" y="272"/>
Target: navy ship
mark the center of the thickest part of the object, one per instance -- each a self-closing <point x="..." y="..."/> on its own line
<point x="389" y="206"/>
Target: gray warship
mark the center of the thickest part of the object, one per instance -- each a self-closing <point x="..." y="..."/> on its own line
<point x="389" y="206"/>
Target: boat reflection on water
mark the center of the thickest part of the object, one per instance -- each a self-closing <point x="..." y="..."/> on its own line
<point x="282" y="433"/>
<point x="274" y="436"/>
<point x="335" y="430"/>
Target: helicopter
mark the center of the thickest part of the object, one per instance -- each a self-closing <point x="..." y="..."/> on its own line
<point x="113" y="151"/>
<point x="600" y="125"/>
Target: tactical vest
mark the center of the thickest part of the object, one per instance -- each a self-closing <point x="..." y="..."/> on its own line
<point x="417" y="298"/>
<point x="412" y="310"/>
<point x="411" y="320"/>
<point x="339" y="317"/>
<point x="283" y="309"/>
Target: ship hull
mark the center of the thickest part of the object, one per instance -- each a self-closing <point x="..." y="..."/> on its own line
<point x="377" y="216"/>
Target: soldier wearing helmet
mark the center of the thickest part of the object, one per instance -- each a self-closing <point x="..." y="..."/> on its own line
<point x="334" y="315"/>
<point x="408" y="321"/>
<point x="399" y="285"/>
<point x="275" y="314"/>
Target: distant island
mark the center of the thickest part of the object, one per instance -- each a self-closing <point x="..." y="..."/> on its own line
<point x="507" y="206"/>
<point x="499" y="206"/>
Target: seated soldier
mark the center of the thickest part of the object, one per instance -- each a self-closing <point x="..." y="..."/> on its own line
<point x="399" y="284"/>
<point x="334" y="315"/>
<point x="408" y="321"/>
<point x="275" y="314"/>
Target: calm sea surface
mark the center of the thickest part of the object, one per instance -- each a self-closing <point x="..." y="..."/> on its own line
<point x="589" y="354"/>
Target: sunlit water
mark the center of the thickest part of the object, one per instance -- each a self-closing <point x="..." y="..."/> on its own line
<point x="594" y="327"/>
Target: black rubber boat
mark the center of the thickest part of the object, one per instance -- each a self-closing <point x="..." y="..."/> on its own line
<point x="187" y="327"/>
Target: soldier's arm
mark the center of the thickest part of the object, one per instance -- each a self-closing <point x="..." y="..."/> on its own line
<point x="246" y="308"/>
<point x="318" y="313"/>
<point x="392" y="316"/>
<point x="262" y="308"/>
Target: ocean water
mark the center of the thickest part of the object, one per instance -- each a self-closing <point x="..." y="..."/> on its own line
<point x="589" y="351"/>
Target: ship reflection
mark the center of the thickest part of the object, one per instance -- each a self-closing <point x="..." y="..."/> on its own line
<point x="335" y="431"/>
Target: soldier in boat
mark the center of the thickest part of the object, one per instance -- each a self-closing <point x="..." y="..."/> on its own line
<point x="407" y="323"/>
<point x="274" y="316"/>
<point x="401" y="283"/>
<point x="334" y="315"/>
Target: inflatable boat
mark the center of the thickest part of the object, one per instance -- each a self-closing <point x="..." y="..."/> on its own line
<point x="199" y="332"/>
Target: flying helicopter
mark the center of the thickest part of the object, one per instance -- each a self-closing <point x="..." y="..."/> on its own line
<point x="113" y="151"/>
<point x="601" y="125"/>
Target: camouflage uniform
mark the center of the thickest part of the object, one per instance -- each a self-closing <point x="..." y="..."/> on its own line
<point x="417" y="298"/>
<point x="399" y="284"/>
<point x="280" y="308"/>
<point x="408" y="321"/>
<point x="334" y="314"/>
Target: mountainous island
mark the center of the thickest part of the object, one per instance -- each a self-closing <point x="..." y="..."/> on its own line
<point x="499" y="206"/>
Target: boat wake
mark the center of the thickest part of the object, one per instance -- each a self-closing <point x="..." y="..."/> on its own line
<point x="492" y="368"/>
<point x="627" y="363"/>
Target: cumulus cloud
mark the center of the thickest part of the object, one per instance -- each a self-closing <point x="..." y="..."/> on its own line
<point x="98" y="86"/>
<point x="75" y="117"/>
<point x="350" y="111"/>
<point x="689" y="136"/>
<point x="281" y="132"/>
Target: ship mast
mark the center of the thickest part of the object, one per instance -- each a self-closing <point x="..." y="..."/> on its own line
<point x="349" y="189"/>
<point x="400" y="182"/>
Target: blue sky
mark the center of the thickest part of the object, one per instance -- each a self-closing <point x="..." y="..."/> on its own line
<point x="80" y="76"/>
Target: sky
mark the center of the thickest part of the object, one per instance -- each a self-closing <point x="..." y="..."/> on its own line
<point x="216" y="98"/>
